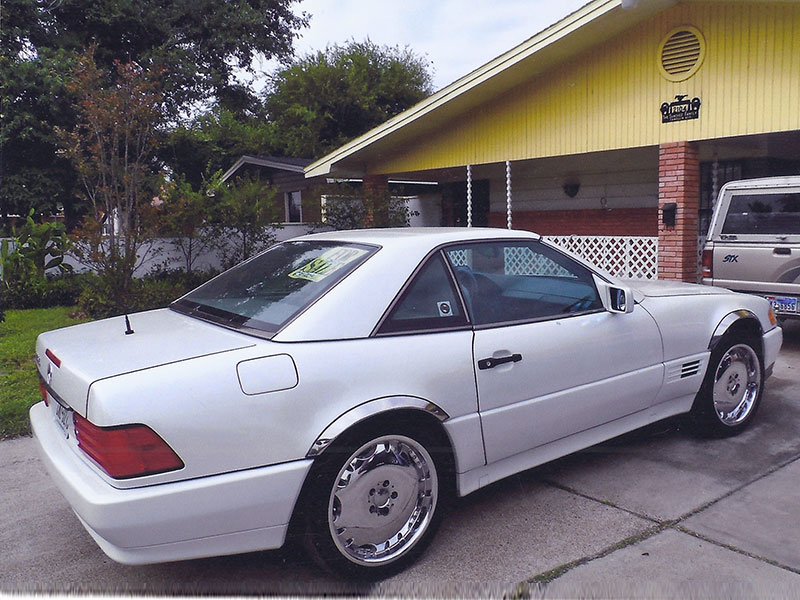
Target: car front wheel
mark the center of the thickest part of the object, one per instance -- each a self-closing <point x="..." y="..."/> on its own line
<point x="374" y="504"/>
<point x="732" y="389"/>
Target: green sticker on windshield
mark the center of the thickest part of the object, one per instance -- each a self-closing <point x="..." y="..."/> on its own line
<point x="326" y="263"/>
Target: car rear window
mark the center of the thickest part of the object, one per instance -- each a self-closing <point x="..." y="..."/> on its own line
<point x="771" y="214"/>
<point x="267" y="291"/>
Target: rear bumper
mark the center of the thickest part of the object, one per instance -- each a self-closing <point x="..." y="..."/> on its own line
<point x="209" y="516"/>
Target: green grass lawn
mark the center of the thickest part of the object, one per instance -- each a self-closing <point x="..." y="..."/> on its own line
<point x="19" y="388"/>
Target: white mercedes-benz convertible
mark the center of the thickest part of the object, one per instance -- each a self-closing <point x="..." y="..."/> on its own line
<point x="345" y="386"/>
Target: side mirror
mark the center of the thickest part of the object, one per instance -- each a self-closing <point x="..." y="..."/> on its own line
<point x="621" y="301"/>
<point x="616" y="298"/>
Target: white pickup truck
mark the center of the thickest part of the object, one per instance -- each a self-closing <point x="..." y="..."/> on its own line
<point x="754" y="241"/>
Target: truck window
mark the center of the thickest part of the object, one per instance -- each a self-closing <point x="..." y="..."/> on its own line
<point x="776" y="214"/>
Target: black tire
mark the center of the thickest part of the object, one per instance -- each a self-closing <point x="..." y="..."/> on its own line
<point x="732" y="388"/>
<point x="391" y="484"/>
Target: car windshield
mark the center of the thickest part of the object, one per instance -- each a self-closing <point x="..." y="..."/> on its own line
<point x="267" y="291"/>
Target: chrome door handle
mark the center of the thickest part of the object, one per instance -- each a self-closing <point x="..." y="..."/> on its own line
<point x="491" y="363"/>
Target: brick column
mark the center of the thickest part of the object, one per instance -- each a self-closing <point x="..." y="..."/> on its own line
<point x="678" y="182"/>
<point x="376" y="198"/>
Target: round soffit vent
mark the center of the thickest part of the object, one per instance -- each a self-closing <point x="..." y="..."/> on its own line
<point x="681" y="53"/>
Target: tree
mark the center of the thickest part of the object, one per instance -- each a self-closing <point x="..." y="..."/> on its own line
<point x="113" y="149"/>
<point x="186" y="215"/>
<point x="33" y="97"/>
<point x="198" y="46"/>
<point x="325" y="99"/>
<point x="245" y="215"/>
<point x="212" y="142"/>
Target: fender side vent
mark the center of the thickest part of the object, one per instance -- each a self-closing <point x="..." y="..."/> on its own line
<point x="690" y="368"/>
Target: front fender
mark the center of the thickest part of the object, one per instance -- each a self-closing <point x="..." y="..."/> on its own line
<point x="729" y="320"/>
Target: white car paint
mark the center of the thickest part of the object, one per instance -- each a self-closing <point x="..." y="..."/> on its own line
<point x="247" y="437"/>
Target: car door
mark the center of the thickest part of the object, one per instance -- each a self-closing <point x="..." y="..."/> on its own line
<point x="550" y="360"/>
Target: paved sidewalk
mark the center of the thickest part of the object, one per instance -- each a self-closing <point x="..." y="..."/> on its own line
<point x="657" y="513"/>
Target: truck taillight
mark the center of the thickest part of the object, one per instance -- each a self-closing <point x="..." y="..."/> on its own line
<point x="125" y="451"/>
<point x="707" y="263"/>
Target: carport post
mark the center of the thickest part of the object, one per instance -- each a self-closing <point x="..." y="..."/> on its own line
<point x="508" y="193"/>
<point x="469" y="195"/>
<point x="678" y="184"/>
<point x="377" y="200"/>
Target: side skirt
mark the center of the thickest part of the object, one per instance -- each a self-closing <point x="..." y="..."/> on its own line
<point x="477" y="478"/>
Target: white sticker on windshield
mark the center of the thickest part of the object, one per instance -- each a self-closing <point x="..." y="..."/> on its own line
<point x="326" y="263"/>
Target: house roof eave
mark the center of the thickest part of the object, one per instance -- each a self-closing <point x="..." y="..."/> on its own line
<point x="593" y="23"/>
<point x="262" y="161"/>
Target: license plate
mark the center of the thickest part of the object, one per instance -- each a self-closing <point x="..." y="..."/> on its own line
<point x="783" y="304"/>
<point x="63" y="418"/>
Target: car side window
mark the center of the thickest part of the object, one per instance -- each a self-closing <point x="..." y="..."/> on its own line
<point x="429" y="302"/>
<point x="520" y="281"/>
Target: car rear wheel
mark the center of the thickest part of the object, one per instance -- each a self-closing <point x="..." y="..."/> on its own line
<point x="732" y="388"/>
<point x="375" y="502"/>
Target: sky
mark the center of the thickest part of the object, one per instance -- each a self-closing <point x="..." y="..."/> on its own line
<point x="456" y="36"/>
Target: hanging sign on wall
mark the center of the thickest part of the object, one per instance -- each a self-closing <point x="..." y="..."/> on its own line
<point x="681" y="109"/>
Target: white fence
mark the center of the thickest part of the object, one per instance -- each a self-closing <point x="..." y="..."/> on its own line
<point x="165" y="254"/>
<point x="629" y="257"/>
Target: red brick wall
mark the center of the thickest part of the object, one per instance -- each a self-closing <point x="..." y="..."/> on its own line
<point x="616" y="221"/>
<point x="375" y="188"/>
<point x="678" y="182"/>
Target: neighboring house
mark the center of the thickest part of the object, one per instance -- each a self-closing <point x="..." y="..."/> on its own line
<point x="301" y="195"/>
<point x="300" y="208"/>
<point x="623" y="119"/>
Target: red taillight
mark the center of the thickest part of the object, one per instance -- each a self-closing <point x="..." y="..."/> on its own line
<point x="127" y="450"/>
<point x="708" y="263"/>
<point x="43" y="390"/>
<point x="55" y="360"/>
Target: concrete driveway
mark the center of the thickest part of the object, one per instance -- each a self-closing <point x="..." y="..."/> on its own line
<point x="655" y="513"/>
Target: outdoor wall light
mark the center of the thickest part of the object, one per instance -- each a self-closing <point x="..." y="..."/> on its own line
<point x="571" y="188"/>
<point x="668" y="212"/>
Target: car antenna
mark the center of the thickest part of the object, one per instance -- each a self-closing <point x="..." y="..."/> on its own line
<point x="128" y="329"/>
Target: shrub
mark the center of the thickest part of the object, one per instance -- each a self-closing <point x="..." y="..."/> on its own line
<point x="156" y="290"/>
<point x="59" y="290"/>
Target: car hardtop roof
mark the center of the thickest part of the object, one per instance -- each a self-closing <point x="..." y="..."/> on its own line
<point x="428" y="236"/>
<point x="763" y="183"/>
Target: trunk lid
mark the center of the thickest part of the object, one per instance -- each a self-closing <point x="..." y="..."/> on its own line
<point x="82" y="354"/>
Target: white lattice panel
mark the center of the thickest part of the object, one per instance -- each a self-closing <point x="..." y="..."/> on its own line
<point x="627" y="257"/>
<point x="521" y="260"/>
<point x="460" y="258"/>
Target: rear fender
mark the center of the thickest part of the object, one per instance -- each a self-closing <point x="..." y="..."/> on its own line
<point x="369" y="409"/>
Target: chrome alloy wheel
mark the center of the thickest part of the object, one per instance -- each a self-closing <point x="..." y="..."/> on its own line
<point x="383" y="500"/>
<point x="737" y="382"/>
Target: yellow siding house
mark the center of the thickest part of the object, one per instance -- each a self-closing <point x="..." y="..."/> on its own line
<point x="591" y="126"/>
